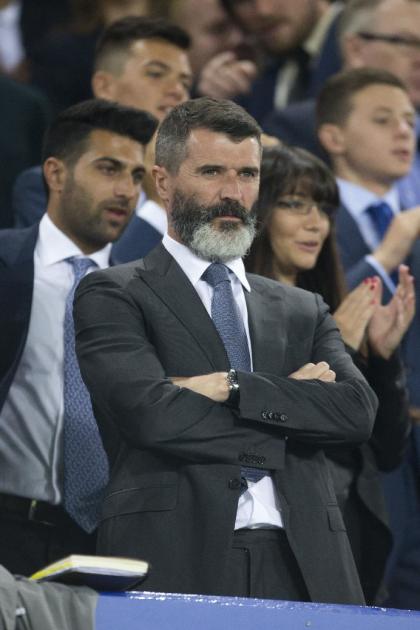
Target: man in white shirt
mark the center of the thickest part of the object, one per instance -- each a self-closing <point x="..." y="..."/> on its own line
<point x="222" y="388"/>
<point x="93" y="167"/>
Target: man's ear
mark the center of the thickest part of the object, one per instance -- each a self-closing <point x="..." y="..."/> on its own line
<point x="163" y="183"/>
<point x="103" y="84"/>
<point x="353" y="49"/>
<point x="55" y="172"/>
<point x="332" y="138"/>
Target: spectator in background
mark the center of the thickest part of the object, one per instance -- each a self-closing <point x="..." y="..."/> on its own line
<point x="366" y="123"/>
<point x="61" y="64"/>
<point x="211" y="29"/>
<point x="381" y="34"/>
<point x="141" y="62"/>
<point x="53" y="469"/>
<point x="24" y="116"/>
<point x="296" y="211"/>
<point x="23" y="24"/>
<point x="216" y="41"/>
<point x="299" y="40"/>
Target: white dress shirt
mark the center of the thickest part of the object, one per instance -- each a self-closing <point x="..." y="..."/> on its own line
<point x="258" y="506"/>
<point x="152" y="213"/>
<point x="32" y="415"/>
<point x="357" y="199"/>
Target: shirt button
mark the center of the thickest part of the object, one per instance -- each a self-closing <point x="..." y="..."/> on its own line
<point x="234" y="483"/>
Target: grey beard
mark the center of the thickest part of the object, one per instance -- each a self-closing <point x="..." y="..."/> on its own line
<point x="221" y="245"/>
<point x="193" y="224"/>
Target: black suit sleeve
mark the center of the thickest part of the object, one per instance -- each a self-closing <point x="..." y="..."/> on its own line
<point x="314" y="411"/>
<point x="130" y="389"/>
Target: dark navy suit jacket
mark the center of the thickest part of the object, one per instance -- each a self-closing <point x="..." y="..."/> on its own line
<point x="30" y="202"/>
<point x="260" y="100"/>
<point x="16" y="288"/>
<point x="402" y="485"/>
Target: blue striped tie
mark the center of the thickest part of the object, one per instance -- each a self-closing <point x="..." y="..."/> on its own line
<point x="230" y="326"/>
<point x="85" y="462"/>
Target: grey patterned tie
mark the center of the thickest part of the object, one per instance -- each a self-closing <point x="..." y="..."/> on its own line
<point x="85" y="462"/>
<point x="230" y="326"/>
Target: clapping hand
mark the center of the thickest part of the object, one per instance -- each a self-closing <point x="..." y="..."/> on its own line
<point x="389" y="323"/>
<point x="355" y="311"/>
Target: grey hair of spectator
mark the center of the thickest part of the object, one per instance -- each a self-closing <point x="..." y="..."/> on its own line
<point x="358" y="16"/>
<point x="220" y="116"/>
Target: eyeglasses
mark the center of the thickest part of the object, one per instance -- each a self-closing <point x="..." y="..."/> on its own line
<point x="303" y="207"/>
<point x="405" y="42"/>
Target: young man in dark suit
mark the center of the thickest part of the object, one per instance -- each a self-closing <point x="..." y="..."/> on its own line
<point x="222" y="387"/>
<point x="53" y="469"/>
<point x="367" y="125"/>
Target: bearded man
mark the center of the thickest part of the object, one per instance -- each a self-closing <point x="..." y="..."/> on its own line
<point x="215" y="390"/>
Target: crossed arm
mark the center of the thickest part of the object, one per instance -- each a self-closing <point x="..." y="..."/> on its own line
<point x="130" y="387"/>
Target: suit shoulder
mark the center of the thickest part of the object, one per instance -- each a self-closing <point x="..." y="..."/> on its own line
<point x="285" y="291"/>
<point x="13" y="241"/>
<point x="120" y="275"/>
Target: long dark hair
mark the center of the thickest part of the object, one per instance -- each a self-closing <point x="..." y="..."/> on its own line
<point x="286" y="171"/>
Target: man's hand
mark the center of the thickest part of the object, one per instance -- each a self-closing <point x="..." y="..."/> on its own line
<point x="226" y="76"/>
<point x="355" y="311"/>
<point x="389" y="323"/>
<point x="214" y="386"/>
<point x="399" y="239"/>
<point x="320" y="371"/>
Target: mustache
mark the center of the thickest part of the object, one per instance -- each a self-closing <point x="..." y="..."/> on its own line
<point x="228" y="208"/>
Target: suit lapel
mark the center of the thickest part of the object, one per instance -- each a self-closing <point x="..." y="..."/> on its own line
<point x="266" y="325"/>
<point x="166" y="279"/>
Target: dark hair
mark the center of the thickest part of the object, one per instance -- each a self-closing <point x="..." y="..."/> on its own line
<point x="117" y="39"/>
<point x="285" y="171"/>
<point x="220" y="116"/>
<point x="67" y="136"/>
<point x="334" y="103"/>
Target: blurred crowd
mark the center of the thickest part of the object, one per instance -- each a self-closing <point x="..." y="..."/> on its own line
<point x="335" y="87"/>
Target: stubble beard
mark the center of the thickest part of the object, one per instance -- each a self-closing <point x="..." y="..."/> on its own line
<point x="194" y="225"/>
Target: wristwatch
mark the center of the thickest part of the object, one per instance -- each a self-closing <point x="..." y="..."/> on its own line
<point x="233" y="385"/>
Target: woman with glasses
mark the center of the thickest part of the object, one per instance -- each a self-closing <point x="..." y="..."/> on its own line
<point x="296" y="245"/>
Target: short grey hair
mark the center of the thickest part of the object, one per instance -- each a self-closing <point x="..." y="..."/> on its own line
<point x="220" y="116"/>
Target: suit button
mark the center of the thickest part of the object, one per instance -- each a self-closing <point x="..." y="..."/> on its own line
<point x="234" y="483"/>
<point x="264" y="415"/>
<point x="284" y="417"/>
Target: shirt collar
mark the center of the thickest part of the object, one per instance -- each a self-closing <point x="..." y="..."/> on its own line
<point x="312" y="45"/>
<point x="54" y="246"/>
<point x="194" y="267"/>
<point x="358" y="198"/>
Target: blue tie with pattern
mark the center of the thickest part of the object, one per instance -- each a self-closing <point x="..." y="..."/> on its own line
<point x="381" y="215"/>
<point x="229" y="324"/>
<point x="85" y="462"/>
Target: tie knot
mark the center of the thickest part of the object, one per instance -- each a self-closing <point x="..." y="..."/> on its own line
<point x="80" y="266"/>
<point x="215" y="274"/>
<point x="381" y="215"/>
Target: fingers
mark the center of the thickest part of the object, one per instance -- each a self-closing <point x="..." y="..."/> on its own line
<point x="225" y="76"/>
<point x="320" y="371"/>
